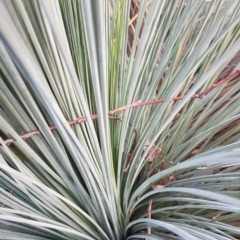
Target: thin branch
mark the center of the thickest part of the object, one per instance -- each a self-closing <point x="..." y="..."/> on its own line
<point x="149" y="213"/>
<point x="133" y="105"/>
<point x="37" y="132"/>
<point x="174" y="99"/>
<point x="135" y="17"/>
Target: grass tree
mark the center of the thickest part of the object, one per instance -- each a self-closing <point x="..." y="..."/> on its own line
<point x="117" y="123"/>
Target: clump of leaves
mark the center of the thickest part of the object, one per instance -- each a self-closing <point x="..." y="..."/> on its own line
<point x="106" y="139"/>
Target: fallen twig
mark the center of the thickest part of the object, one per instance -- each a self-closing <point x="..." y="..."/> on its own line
<point x="149" y="213"/>
<point x="133" y="105"/>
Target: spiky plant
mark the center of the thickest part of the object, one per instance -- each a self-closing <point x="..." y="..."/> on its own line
<point x="118" y="123"/>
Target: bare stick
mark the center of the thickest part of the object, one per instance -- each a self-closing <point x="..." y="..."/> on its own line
<point x="37" y="132"/>
<point x="149" y="213"/>
<point x="133" y="105"/>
